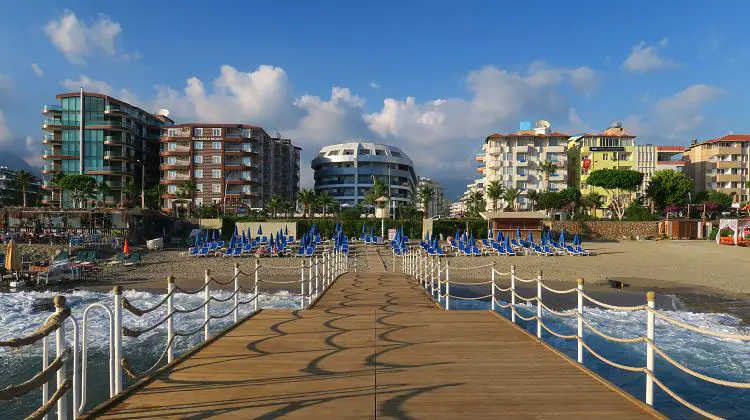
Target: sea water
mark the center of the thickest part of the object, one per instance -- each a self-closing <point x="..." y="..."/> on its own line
<point x="721" y="358"/>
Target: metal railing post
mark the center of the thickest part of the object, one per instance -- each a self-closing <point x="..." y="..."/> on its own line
<point x="117" y="291"/>
<point x="62" y="403"/>
<point x="439" y="284"/>
<point x="310" y="276"/>
<point x="447" y="286"/>
<point x="650" y="319"/>
<point x="432" y="275"/>
<point x="207" y="301"/>
<point x="317" y="279"/>
<point x="492" y="287"/>
<point x="513" y="293"/>
<point x="236" y="292"/>
<point x="170" y="319"/>
<point x="302" y="286"/>
<point x="539" y="304"/>
<point x="579" y="334"/>
<point x="255" y="286"/>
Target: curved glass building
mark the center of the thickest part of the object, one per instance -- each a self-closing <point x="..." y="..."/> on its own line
<point x="346" y="171"/>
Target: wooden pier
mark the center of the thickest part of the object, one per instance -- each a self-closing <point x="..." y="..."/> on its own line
<point x="375" y="345"/>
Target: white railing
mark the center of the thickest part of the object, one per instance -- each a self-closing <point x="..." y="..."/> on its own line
<point x="316" y="275"/>
<point x="434" y="274"/>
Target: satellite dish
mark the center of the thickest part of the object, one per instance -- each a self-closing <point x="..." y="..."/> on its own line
<point x="163" y="112"/>
<point x="616" y="124"/>
<point x="543" y="124"/>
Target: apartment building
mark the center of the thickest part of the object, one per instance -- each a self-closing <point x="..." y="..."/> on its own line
<point x="10" y="193"/>
<point x="720" y="164"/>
<point x="232" y="165"/>
<point x="650" y="158"/>
<point x="101" y="136"/>
<point x="435" y="206"/>
<point x="514" y="159"/>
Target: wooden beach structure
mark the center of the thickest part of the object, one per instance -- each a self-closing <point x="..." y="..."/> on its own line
<point x="508" y="222"/>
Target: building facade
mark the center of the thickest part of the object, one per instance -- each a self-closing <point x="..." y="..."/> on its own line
<point x="11" y="194"/>
<point x="231" y="165"/>
<point x="103" y="137"/>
<point x="437" y="203"/>
<point x="514" y="159"/>
<point x="346" y="172"/>
<point x="721" y="165"/>
<point x="650" y="158"/>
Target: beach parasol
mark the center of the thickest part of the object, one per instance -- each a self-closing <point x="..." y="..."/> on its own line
<point x="499" y="236"/>
<point x="518" y="233"/>
<point x="125" y="247"/>
<point x="236" y="232"/>
<point x="286" y="230"/>
<point x="214" y="234"/>
<point x="576" y="240"/>
<point x="208" y="232"/>
<point x="13" y="257"/>
<point x="507" y="242"/>
<point x="456" y="236"/>
<point x="244" y="238"/>
<point x="270" y="240"/>
<point x="530" y="237"/>
<point x="260" y="229"/>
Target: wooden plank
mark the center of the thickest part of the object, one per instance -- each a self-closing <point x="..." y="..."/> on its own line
<point x="375" y="345"/>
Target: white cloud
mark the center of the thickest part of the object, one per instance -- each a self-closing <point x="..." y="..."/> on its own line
<point x="375" y="85"/>
<point x="29" y="149"/>
<point x="644" y="58"/>
<point x="78" y="40"/>
<point x="99" y="86"/>
<point x="682" y="111"/>
<point x="37" y="70"/>
<point x="5" y="132"/>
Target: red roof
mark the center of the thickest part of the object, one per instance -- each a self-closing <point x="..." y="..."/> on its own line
<point x="730" y="137"/>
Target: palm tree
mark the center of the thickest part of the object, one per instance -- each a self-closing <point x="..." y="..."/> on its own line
<point x="157" y="191"/>
<point x="475" y="204"/>
<point x="57" y="181"/>
<point x="494" y="192"/>
<point x="23" y="180"/>
<point x="426" y="193"/>
<point x="127" y="191"/>
<point x="377" y="190"/>
<point x="548" y="169"/>
<point x="273" y="206"/>
<point x="306" y="197"/>
<point x="533" y="197"/>
<point x="510" y="196"/>
<point x="103" y="189"/>
<point x="326" y="201"/>
<point x="593" y="201"/>
<point x="84" y="192"/>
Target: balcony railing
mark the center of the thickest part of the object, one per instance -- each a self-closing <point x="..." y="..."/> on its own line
<point x="109" y="123"/>
<point x="113" y="139"/>
<point x="52" y="108"/>
<point x="58" y="121"/>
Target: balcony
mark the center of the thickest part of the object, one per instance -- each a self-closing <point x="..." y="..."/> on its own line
<point x="115" y="185"/>
<point x="50" y="138"/>
<point x="522" y="162"/>
<point x="728" y="178"/>
<point x="725" y="151"/>
<point x="521" y="149"/>
<point x="57" y="124"/>
<point x="238" y="180"/>
<point x="48" y="109"/>
<point x="108" y="170"/>
<point x="495" y="164"/>
<point x="726" y="164"/>
<point x="177" y="177"/>
<point x="522" y="177"/>
<point x="554" y="149"/>
<point x="479" y="158"/>
<point x="176" y="164"/>
<point x="112" y="155"/>
<point x="109" y="124"/>
<point x="494" y="150"/>
<point x="51" y="169"/>
<point x="117" y="141"/>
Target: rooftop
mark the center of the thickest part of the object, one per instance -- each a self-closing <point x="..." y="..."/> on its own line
<point x="728" y="137"/>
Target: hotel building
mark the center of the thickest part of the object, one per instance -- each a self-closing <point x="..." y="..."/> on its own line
<point x="721" y="165"/>
<point x="650" y="158"/>
<point x="9" y="191"/>
<point x="101" y="136"/>
<point x="435" y="206"/>
<point x="346" y="172"/>
<point x="513" y="159"/>
<point x="233" y="165"/>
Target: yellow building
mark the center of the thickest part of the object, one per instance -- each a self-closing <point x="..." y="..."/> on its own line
<point x="613" y="149"/>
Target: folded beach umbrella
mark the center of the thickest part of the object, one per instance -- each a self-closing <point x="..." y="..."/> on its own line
<point x="456" y="237"/>
<point x="576" y="240"/>
<point x="271" y="239"/>
<point x="231" y="242"/>
<point x="502" y="236"/>
<point x="208" y="238"/>
<point x="213" y="234"/>
<point x="530" y="237"/>
<point x="260" y="229"/>
<point x="499" y="236"/>
<point x="471" y="239"/>
<point x="507" y="242"/>
<point x="518" y="233"/>
<point x="562" y="237"/>
<point x="244" y="238"/>
<point x="363" y="229"/>
<point x="286" y="230"/>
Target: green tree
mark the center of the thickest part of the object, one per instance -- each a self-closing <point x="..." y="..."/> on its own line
<point x="593" y="201"/>
<point x="547" y="169"/>
<point x="668" y="187"/>
<point x="551" y="201"/>
<point x="273" y="206"/>
<point x="82" y="187"/>
<point x="571" y="198"/>
<point x="494" y="192"/>
<point x="306" y="197"/>
<point x="156" y="192"/>
<point x="102" y="188"/>
<point x="510" y="196"/>
<point x="326" y="203"/>
<point x="619" y="184"/>
<point x="475" y="204"/>
<point x="425" y="193"/>
<point x="57" y="182"/>
<point x="377" y="190"/>
<point x="533" y="197"/>
<point x="22" y="181"/>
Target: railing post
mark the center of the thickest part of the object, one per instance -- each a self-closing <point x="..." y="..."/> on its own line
<point x="447" y="286"/>
<point x="302" y="286"/>
<point x="317" y="279"/>
<point x="207" y="301"/>
<point x="650" y="319"/>
<point x="579" y="335"/>
<point x="492" y="287"/>
<point x="236" y="292"/>
<point x="170" y="320"/>
<point x="255" y="286"/>
<point x="513" y="293"/>
<point x="432" y="275"/>
<point x="539" y="304"/>
<point x="62" y="403"/>
<point x="310" y="282"/>
<point x="117" y="339"/>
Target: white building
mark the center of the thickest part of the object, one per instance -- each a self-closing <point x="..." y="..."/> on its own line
<point x="650" y="158"/>
<point x="513" y="159"/>
<point x="435" y="205"/>
<point x="458" y="209"/>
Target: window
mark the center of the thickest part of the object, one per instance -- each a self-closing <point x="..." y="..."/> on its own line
<point x="364" y="152"/>
<point x="348" y="152"/>
<point x="245" y="188"/>
<point x="170" y="174"/>
<point x="171" y="160"/>
<point x="171" y="146"/>
<point x="198" y="145"/>
<point x="198" y="173"/>
<point x="247" y="147"/>
<point x="216" y="132"/>
<point x="199" y="187"/>
<point x="198" y="159"/>
<point x="396" y="154"/>
<point x="605" y="156"/>
<point x="216" y="145"/>
<point x="246" y="161"/>
<point x="216" y="160"/>
<point x="199" y="201"/>
<point x="245" y="174"/>
<point x="172" y="189"/>
<point x="216" y="173"/>
<point x="216" y="188"/>
<point x="198" y="132"/>
<point x="379" y="152"/>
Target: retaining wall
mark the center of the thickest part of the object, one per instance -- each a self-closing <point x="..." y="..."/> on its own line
<point x="608" y="229"/>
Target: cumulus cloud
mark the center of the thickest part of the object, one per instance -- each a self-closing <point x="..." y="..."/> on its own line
<point x="37" y="70"/>
<point x="682" y="111"/>
<point x="78" y="40"/>
<point x="644" y="58"/>
<point x="28" y="148"/>
<point x="375" y="85"/>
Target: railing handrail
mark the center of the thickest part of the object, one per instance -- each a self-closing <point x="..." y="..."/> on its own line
<point x="430" y="274"/>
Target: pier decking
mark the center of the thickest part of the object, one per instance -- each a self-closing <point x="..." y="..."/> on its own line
<point x="375" y="345"/>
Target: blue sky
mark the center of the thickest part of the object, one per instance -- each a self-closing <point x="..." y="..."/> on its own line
<point x="432" y="77"/>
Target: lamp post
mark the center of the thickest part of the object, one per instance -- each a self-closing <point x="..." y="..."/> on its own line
<point x="143" y="184"/>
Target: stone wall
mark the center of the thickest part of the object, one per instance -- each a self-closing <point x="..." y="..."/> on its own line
<point x="608" y="229"/>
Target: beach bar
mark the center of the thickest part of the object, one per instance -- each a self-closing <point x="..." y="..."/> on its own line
<point x="510" y="221"/>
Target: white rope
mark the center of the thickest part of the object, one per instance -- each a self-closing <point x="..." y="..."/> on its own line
<point x="524" y="280"/>
<point x="609" y="362"/>
<point x="524" y="298"/>
<point x="470" y="298"/>
<point x="681" y="400"/>
<point x="609" y="337"/>
<point x="518" y="314"/>
<point x="698" y="329"/>
<point x="472" y="268"/>
<point x="507" y="305"/>
<point x="468" y="284"/>
<point x="615" y="307"/>
<point x="660" y="352"/>
<point x="552" y="311"/>
<point x="188" y="291"/>
<point x="559" y="292"/>
<point x="281" y="281"/>
<point x="563" y="336"/>
<point x="502" y="289"/>
<point x="502" y="274"/>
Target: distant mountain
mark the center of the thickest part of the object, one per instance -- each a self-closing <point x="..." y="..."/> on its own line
<point x="14" y="161"/>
